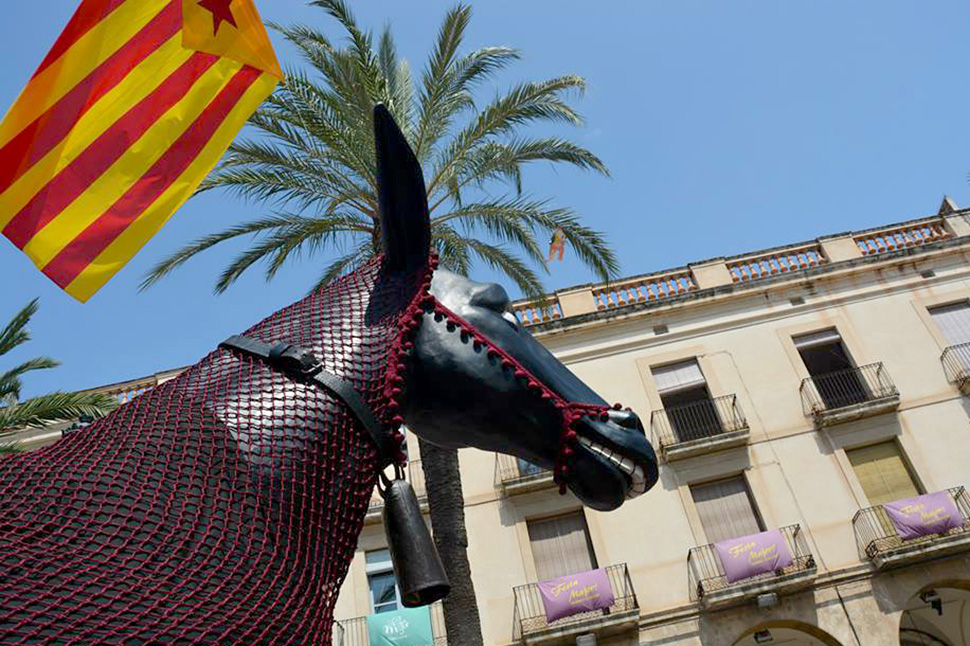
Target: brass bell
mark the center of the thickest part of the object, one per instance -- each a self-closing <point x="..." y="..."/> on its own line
<point x="420" y="575"/>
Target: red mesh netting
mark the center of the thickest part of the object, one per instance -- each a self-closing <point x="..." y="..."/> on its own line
<point x="220" y="507"/>
<point x="224" y="506"/>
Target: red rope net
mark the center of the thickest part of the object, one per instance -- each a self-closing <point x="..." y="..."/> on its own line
<point x="221" y="507"/>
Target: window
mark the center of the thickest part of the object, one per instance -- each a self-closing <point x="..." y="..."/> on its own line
<point x="687" y="401"/>
<point x="561" y="546"/>
<point x="882" y="472"/>
<point x="953" y="321"/>
<point x="726" y="509"/>
<point x="384" y="594"/>
<point x="831" y="368"/>
<point x="527" y="468"/>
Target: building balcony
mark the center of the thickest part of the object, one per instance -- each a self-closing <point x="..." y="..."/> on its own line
<point x="880" y="542"/>
<point x="414" y="475"/>
<point x="709" y="584"/>
<point x="848" y="395"/>
<point x="516" y="476"/>
<point x="956" y="365"/>
<point x="699" y="427"/>
<point x="529" y="625"/>
<point x="353" y="632"/>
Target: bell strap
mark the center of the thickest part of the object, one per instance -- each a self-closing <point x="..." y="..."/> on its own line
<point x="301" y="364"/>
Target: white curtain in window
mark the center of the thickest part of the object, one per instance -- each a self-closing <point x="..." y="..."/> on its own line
<point x="678" y="376"/>
<point x="561" y="546"/>
<point x="954" y="322"/>
<point x="725" y="509"/>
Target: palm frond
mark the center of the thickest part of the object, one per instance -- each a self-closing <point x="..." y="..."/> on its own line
<point x="55" y="407"/>
<point x="9" y="448"/>
<point x="590" y="245"/>
<point x="183" y="255"/>
<point x="451" y="248"/>
<point x="499" y="259"/>
<point x="298" y="233"/>
<point x="15" y="332"/>
<point x="10" y="380"/>
<point x="523" y="104"/>
<point x="510" y="221"/>
<point x="440" y="96"/>
<point x="313" y="156"/>
<point x="344" y="265"/>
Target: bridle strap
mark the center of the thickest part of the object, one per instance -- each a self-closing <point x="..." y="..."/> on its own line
<point x="302" y="365"/>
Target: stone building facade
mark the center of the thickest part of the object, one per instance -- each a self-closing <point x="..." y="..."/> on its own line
<point x="798" y="389"/>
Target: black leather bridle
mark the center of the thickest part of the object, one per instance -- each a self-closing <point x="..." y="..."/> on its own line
<point x="302" y="365"/>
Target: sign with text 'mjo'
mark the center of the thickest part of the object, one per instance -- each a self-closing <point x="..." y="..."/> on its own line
<point x="570" y="595"/>
<point x="404" y="627"/>
<point x="749" y="556"/>
<point x="933" y="513"/>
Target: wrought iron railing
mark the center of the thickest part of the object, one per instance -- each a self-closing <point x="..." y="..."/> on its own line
<point x="828" y="392"/>
<point x="353" y="632"/>
<point x="706" y="418"/>
<point x="530" y="616"/>
<point x="510" y="470"/>
<point x="705" y="573"/>
<point x="956" y="363"/>
<point x="414" y="475"/>
<point x="875" y="533"/>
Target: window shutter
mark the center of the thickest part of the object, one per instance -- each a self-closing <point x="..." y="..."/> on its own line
<point x="953" y="321"/>
<point x="882" y="473"/>
<point x="561" y="546"/>
<point x="678" y="376"/>
<point x="725" y="509"/>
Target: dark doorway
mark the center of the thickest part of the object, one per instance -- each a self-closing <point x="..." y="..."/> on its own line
<point x="836" y="379"/>
<point x="692" y="413"/>
<point x="689" y="411"/>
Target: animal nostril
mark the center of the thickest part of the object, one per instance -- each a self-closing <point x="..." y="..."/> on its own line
<point x="627" y="419"/>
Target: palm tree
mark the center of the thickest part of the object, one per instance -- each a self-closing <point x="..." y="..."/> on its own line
<point x="45" y="409"/>
<point x="314" y="165"/>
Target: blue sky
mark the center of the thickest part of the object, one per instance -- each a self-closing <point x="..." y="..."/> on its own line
<point x="728" y="127"/>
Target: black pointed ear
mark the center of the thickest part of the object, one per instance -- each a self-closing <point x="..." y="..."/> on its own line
<point x="405" y="222"/>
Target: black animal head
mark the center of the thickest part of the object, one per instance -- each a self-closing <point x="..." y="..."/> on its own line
<point x="460" y="390"/>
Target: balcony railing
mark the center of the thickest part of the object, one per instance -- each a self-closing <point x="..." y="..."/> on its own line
<point x="532" y="313"/>
<point x="641" y="290"/>
<point x="706" y="574"/>
<point x="901" y="236"/>
<point x="877" y="536"/>
<point x="956" y="364"/>
<point x="822" y="394"/>
<point x="672" y="284"/>
<point x="706" y="419"/>
<point x="530" y="616"/>
<point x="778" y="262"/>
<point x="414" y="475"/>
<point x="514" y="472"/>
<point x="353" y="632"/>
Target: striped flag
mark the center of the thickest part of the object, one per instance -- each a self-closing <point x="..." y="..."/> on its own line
<point x="127" y="114"/>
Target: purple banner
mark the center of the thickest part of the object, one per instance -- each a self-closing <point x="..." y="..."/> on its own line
<point x="933" y="513"/>
<point x="570" y="595"/>
<point x="752" y="555"/>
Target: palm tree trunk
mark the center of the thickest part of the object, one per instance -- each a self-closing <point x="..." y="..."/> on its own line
<point x="447" y="504"/>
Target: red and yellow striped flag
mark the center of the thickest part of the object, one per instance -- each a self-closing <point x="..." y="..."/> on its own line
<point x="127" y="114"/>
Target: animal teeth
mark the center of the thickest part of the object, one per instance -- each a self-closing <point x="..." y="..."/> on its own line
<point x="639" y="481"/>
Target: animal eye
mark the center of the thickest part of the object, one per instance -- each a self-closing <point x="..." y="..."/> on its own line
<point x="510" y="317"/>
